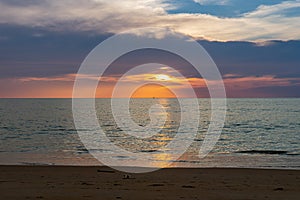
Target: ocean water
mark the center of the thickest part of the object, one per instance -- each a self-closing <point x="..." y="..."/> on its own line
<point x="258" y="133"/>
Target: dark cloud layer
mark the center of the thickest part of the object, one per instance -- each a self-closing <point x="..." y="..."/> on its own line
<point x="277" y="58"/>
<point x="34" y="52"/>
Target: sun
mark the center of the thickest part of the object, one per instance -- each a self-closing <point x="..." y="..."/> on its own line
<point x="162" y="77"/>
<point x="153" y="90"/>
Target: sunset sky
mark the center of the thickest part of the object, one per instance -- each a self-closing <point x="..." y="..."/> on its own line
<point x="254" y="43"/>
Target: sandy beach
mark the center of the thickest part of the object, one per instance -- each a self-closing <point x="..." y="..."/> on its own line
<point x="64" y="182"/>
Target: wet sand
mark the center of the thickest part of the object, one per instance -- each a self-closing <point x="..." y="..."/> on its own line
<point x="103" y="183"/>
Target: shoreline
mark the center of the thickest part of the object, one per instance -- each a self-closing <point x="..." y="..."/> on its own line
<point x="100" y="182"/>
<point x="25" y="164"/>
<point x="213" y="160"/>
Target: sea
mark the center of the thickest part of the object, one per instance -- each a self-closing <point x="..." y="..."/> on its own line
<point x="258" y="133"/>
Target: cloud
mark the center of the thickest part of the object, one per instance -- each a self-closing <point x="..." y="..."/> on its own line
<point x="236" y="86"/>
<point x="99" y="15"/>
<point x="271" y="10"/>
<point x="44" y="41"/>
<point x="262" y="81"/>
<point x="265" y="23"/>
<point x="211" y="2"/>
<point x="263" y="86"/>
<point x="57" y="54"/>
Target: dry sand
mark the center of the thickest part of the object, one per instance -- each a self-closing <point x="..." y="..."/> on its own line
<point x="54" y="182"/>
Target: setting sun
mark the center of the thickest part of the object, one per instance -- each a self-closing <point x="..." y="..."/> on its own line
<point x="162" y="77"/>
<point x="153" y="90"/>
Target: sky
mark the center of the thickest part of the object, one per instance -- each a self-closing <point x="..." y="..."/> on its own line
<point x="255" y="44"/>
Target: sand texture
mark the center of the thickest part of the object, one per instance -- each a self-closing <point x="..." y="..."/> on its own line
<point x="55" y="182"/>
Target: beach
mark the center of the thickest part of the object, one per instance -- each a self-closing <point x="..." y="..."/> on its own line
<point x="149" y="100"/>
<point x="82" y="182"/>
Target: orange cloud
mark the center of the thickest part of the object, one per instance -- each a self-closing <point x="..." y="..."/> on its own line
<point x="62" y="86"/>
<point x="254" y="82"/>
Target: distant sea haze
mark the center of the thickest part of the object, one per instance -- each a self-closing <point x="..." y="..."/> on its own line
<point x="258" y="133"/>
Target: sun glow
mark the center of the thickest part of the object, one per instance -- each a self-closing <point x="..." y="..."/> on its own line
<point x="153" y="90"/>
<point x="162" y="77"/>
